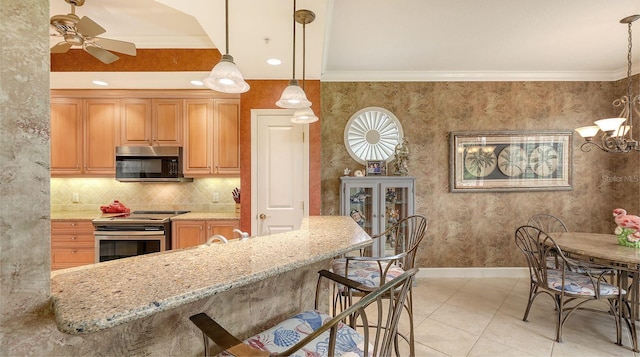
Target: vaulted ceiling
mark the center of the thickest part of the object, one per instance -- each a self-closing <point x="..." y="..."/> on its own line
<point x="378" y="40"/>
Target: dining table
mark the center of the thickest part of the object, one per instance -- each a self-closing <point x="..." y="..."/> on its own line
<point x="603" y="249"/>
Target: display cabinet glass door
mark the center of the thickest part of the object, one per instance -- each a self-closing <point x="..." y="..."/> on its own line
<point x="361" y="204"/>
<point x="398" y="204"/>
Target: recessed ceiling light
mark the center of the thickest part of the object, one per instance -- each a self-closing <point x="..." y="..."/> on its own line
<point x="100" y="83"/>
<point x="196" y="82"/>
<point x="274" y="61"/>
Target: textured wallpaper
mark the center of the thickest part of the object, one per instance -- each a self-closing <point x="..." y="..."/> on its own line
<point x="196" y="196"/>
<point x="477" y="229"/>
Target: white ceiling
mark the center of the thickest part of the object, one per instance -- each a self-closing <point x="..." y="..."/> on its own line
<point x="375" y="40"/>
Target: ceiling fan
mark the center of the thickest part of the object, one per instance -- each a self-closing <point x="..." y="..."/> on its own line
<point x="82" y="32"/>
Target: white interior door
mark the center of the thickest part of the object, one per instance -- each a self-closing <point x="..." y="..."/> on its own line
<point x="279" y="171"/>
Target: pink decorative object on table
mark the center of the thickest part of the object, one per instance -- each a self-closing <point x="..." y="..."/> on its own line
<point x="628" y="230"/>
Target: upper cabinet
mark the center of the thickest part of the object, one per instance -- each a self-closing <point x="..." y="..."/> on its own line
<point x="87" y="125"/>
<point x="212" y="140"/>
<point x="84" y="134"/>
<point x="152" y="122"/>
<point x="66" y="136"/>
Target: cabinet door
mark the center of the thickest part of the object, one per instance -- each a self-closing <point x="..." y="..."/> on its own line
<point x="223" y="227"/>
<point x="360" y="201"/>
<point x="198" y="143"/>
<point x="397" y="201"/>
<point x="136" y="121"/>
<point x="101" y="136"/>
<point x="226" y="143"/>
<point x="186" y="234"/>
<point x="66" y="136"/>
<point x="167" y="122"/>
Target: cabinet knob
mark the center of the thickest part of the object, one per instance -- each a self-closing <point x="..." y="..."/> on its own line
<point x="74" y="251"/>
<point x="262" y="216"/>
<point x="200" y="227"/>
<point x="74" y="238"/>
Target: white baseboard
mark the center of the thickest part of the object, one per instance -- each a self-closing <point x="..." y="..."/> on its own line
<point x="473" y="273"/>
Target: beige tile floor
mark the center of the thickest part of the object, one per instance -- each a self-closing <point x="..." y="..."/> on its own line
<point x="483" y="317"/>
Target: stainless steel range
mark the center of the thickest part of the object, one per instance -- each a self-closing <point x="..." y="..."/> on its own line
<point x="137" y="233"/>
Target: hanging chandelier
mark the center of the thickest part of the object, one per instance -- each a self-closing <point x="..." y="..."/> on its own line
<point x="225" y="76"/>
<point x="615" y="135"/>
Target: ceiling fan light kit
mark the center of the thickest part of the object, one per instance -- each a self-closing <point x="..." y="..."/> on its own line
<point x="225" y="76"/>
<point x="83" y="32"/>
<point x="615" y="135"/>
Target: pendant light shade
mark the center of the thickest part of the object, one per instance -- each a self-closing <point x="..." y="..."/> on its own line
<point x="293" y="97"/>
<point x="304" y="116"/>
<point x="225" y="77"/>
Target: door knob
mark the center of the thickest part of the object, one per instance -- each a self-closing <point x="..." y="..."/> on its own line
<point x="262" y="216"/>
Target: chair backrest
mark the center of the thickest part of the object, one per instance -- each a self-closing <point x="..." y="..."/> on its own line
<point x="408" y="233"/>
<point x="375" y="316"/>
<point x="529" y="242"/>
<point x="547" y="223"/>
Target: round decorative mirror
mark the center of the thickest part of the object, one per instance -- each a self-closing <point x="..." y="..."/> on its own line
<point x="372" y="133"/>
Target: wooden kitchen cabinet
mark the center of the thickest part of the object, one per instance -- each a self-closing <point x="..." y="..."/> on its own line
<point x="185" y="234"/>
<point x="84" y="134"/>
<point x="66" y="136"/>
<point x="72" y="244"/>
<point x="212" y="140"/>
<point x="101" y="136"/>
<point x="151" y="122"/>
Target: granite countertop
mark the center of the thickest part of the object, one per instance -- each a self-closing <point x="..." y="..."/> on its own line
<point x="140" y="286"/>
<point x="90" y="215"/>
<point x="197" y="216"/>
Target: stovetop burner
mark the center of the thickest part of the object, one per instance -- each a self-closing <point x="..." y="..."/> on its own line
<point x="138" y="217"/>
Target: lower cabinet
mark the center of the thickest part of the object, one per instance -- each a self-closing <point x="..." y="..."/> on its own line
<point x="186" y="234"/>
<point x="72" y="244"/>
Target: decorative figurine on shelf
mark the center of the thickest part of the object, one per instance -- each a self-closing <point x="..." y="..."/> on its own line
<point x="391" y="196"/>
<point x="628" y="228"/>
<point x="358" y="217"/>
<point x="401" y="158"/>
<point x="394" y="216"/>
<point x="358" y="173"/>
<point x="358" y="197"/>
<point x="346" y="171"/>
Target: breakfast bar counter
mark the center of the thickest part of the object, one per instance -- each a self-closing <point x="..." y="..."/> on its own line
<point x="102" y="296"/>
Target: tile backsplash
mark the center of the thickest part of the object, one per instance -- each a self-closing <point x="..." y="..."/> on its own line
<point x="196" y="196"/>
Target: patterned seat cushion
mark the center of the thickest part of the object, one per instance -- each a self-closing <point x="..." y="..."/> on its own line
<point x="287" y="333"/>
<point x="365" y="272"/>
<point x="578" y="284"/>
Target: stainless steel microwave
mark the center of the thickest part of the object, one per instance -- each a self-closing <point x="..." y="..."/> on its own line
<point x="149" y="164"/>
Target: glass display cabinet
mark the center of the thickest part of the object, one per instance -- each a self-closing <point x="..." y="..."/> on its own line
<point x="377" y="202"/>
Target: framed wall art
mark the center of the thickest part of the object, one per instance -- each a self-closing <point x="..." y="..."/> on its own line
<point x="510" y="160"/>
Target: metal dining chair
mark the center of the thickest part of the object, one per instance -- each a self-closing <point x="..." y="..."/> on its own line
<point x="366" y="328"/>
<point x="372" y="272"/>
<point x="548" y="223"/>
<point x="568" y="288"/>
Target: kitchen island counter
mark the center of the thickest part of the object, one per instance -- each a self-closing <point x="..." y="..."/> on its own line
<point x="101" y="296"/>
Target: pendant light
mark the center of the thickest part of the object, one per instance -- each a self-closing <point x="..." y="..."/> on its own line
<point x="293" y="97"/>
<point x="304" y="115"/>
<point x="225" y="77"/>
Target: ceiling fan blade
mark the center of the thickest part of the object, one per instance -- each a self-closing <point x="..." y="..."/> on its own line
<point x="101" y="54"/>
<point x="128" y="48"/>
<point x="61" y="47"/>
<point x="88" y="28"/>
